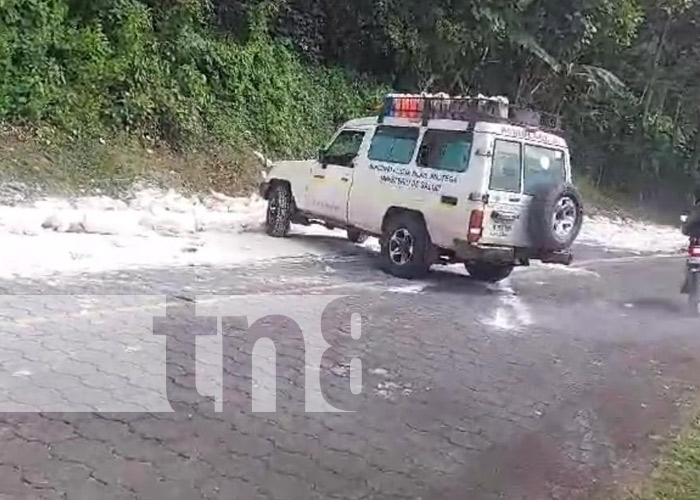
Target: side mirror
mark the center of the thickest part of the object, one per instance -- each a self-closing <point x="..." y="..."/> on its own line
<point x="322" y="156"/>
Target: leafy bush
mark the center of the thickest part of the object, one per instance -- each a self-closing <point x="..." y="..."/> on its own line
<point x="157" y="69"/>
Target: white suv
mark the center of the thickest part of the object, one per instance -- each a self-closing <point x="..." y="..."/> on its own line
<point x="439" y="180"/>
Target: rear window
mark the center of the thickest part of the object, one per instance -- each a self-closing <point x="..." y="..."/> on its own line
<point x="445" y="150"/>
<point x="393" y="144"/>
<point x="543" y="167"/>
<point x="505" y="173"/>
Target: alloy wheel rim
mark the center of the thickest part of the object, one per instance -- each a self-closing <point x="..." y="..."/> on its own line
<point x="564" y="218"/>
<point x="401" y="247"/>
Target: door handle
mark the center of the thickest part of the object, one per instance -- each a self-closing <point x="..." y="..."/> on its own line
<point x="319" y="176"/>
<point x="345" y="179"/>
<point x="449" y="200"/>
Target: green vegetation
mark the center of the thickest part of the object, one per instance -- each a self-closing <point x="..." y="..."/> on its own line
<point x="112" y="166"/>
<point x="678" y="475"/>
<point x="625" y="74"/>
<point x="79" y="72"/>
<point x="279" y="75"/>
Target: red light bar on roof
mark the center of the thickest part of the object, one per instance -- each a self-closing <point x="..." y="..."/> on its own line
<point x="424" y="107"/>
<point x="441" y="106"/>
<point x="405" y="106"/>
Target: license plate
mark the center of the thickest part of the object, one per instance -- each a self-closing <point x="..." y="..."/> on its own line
<point x="501" y="229"/>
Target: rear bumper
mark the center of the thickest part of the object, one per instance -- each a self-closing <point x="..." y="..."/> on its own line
<point x="498" y="255"/>
<point x="508" y="255"/>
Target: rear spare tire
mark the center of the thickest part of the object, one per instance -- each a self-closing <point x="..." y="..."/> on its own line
<point x="556" y="217"/>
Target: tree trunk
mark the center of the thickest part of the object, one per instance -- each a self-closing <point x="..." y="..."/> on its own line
<point x="649" y="89"/>
<point x="662" y="100"/>
<point x="519" y="91"/>
<point x="429" y="83"/>
<point x="695" y="158"/>
<point x="601" y="174"/>
<point x="676" y="116"/>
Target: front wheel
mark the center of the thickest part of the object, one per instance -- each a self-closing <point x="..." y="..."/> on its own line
<point x="694" y="294"/>
<point x="280" y="209"/>
<point x="487" y="272"/>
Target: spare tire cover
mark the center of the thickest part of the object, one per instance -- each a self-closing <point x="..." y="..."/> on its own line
<point x="556" y="217"/>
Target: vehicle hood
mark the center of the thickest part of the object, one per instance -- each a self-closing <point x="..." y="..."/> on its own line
<point x="293" y="163"/>
<point x="291" y="169"/>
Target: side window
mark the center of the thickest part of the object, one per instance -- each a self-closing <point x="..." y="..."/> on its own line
<point x="345" y="148"/>
<point x="394" y="144"/>
<point x="507" y="162"/>
<point x="543" y="166"/>
<point x="445" y="150"/>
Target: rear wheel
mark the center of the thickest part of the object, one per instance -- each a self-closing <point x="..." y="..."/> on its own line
<point x="694" y="294"/>
<point x="406" y="247"/>
<point x="357" y="236"/>
<point x="280" y="208"/>
<point x="487" y="272"/>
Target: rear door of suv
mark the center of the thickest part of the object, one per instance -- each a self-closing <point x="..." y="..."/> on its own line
<point x="518" y="170"/>
<point x="505" y="217"/>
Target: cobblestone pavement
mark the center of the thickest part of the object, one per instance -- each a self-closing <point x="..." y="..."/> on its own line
<point x="556" y="384"/>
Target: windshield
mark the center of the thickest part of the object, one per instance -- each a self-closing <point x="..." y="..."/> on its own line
<point x="543" y="166"/>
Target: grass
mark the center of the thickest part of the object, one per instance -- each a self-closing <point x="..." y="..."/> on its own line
<point x="597" y="201"/>
<point x="612" y="203"/>
<point x="678" y="473"/>
<point x="61" y="166"/>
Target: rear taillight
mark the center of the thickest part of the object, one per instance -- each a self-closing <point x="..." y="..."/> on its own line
<point x="476" y="226"/>
<point x="694" y="251"/>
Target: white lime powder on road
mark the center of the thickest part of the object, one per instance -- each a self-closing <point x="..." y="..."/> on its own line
<point x="631" y="236"/>
<point x="163" y="228"/>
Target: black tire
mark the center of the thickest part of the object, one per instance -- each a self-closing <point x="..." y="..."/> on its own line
<point x="487" y="272"/>
<point x="694" y="295"/>
<point x="556" y="217"/>
<point x="399" y="260"/>
<point x="357" y="236"/>
<point x="280" y="208"/>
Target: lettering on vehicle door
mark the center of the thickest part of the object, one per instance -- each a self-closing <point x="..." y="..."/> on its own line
<point x="413" y="178"/>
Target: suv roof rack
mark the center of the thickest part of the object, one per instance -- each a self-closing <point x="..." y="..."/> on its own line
<point x="424" y="107"/>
